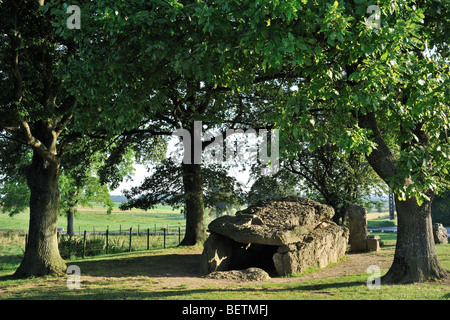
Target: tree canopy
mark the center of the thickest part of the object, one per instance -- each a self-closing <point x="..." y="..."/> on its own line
<point x="320" y="71"/>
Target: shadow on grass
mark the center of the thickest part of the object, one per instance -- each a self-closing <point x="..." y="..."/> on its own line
<point x="165" y="265"/>
<point x="9" y="264"/>
<point x="220" y="293"/>
<point x="154" y="266"/>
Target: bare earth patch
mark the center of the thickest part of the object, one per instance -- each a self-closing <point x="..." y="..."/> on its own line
<point x="182" y="269"/>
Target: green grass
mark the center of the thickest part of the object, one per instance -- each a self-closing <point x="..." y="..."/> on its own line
<point x="381" y="223"/>
<point x="12" y="246"/>
<point x="130" y="276"/>
<point x="138" y="275"/>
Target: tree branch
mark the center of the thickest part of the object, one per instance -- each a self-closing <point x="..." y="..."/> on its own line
<point x="381" y="159"/>
<point x="37" y="145"/>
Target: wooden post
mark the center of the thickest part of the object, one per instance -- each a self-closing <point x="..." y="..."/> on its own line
<point x="148" y="239"/>
<point x="138" y="230"/>
<point x="179" y="233"/>
<point x="120" y="230"/>
<point x="131" y="230"/>
<point x="107" y="242"/>
<point x="84" y="243"/>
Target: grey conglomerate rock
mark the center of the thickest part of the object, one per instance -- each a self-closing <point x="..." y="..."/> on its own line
<point x="285" y="235"/>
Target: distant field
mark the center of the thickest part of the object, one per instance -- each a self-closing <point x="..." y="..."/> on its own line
<point x="98" y="219"/>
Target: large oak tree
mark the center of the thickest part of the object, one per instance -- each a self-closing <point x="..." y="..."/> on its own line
<point x="162" y="70"/>
<point x="35" y="112"/>
<point x="380" y="90"/>
<point x="40" y="120"/>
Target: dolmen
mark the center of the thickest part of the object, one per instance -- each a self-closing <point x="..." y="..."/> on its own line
<point x="285" y="236"/>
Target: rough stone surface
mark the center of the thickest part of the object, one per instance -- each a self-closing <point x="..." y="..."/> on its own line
<point x="273" y="222"/>
<point x="440" y="233"/>
<point x="217" y="252"/>
<point x="250" y="274"/>
<point x="284" y="235"/>
<point x="324" y="245"/>
<point x="373" y="243"/>
<point x="357" y="223"/>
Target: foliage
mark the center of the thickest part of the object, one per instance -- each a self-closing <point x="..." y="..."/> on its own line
<point x="280" y="185"/>
<point x="440" y="210"/>
<point x="14" y="197"/>
<point x="337" y="67"/>
<point x="165" y="186"/>
<point x="73" y="246"/>
<point x="330" y="175"/>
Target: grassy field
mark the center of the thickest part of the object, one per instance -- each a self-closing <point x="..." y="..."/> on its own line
<point x="98" y="219"/>
<point x="171" y="274"/>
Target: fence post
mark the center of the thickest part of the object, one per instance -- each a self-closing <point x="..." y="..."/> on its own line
<point x="138" y="230"/>
<point x="148" y="239"/>
<point x="84" y="243"/>
<point x="120" y="230"/>
<point x="131" y="230"/>
<point x="179" y="233"/>
<point x="107" y="233"/>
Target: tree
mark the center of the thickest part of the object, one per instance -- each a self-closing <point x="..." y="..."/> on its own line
<point x="165" y="185"/>
<point x="382" y="94"/>
<point x="281" y="184"/>
<point x="39" y="113"/>
<point x="34" y="112"/>
<point x="161" y="61"/>
<point x="335" y="177"/>
<point x="75" y="190"/>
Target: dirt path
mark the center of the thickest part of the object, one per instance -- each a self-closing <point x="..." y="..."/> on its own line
<point x="182" y="270"/>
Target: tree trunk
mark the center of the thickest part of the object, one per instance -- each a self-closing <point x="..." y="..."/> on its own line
<point x="415" y="258"/>
<point x="193" y="201"/>
<point x="42" y="254"/>
<point x="70" y="214"/>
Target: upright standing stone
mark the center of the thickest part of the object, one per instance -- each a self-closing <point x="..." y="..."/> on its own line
<point x="216" y="254"/>
<point x="357" y="220"/>
<point x="439" y="233"/>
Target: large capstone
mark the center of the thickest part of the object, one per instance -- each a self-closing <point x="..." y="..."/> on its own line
<point x="284" y="235"/>
<point x="273" y="222"/>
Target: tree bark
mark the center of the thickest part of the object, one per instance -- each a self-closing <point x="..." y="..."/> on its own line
<point x="70" y="214"/>
<point x="194" y="210"/>
<point x="42" y="254"/>
<point x="415" y="258"/>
